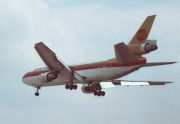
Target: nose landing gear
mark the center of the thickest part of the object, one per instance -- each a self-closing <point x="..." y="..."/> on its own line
<point x="37" y="93"/>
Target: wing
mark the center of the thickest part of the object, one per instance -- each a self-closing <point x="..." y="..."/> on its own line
<point x="123" y="55"/>
<point x="55" y="64"/>
<point x="138" y="83"/>
<point x="49" y="58"/>
<point x="157" y="64"/>
<point x="110" y="84"/>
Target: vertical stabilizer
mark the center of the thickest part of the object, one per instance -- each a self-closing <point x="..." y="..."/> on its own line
<point x="143" y="32"/>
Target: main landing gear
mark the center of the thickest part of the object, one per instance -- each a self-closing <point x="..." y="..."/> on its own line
<point x="37" y="93"/>
<point x="71" y="86"/>
<point x="99" y="93"/>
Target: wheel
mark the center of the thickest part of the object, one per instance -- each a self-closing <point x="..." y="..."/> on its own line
<point x="36" y="94"/>
<point x="71" y="86"/>
<point x="99" y="93"/>
<point x="95" y="93"/>
<point x="103" y="93"/>
<point x="75" y="87"/>
<point x="67" y="86"/>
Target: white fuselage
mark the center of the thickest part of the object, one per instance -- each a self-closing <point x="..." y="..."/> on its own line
<point x="94" y="75"/>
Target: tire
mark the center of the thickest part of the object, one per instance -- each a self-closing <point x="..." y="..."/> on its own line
<point x="71" y="86"/>
<point x="75" y="87"/>
<point x="99" y="93"/>
<point x="36" y="94"/>
<point x="103" y="93"/>
<point x="95" y="93"/>
<point x="67" y="86"/>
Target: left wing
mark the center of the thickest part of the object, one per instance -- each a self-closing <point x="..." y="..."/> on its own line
<point x="55" y="65"/>
<point x="49" y="58"/>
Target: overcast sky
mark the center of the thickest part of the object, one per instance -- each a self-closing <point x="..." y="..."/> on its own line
<point x="81" y="31"/>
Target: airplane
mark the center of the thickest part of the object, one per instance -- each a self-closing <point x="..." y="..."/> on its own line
<point x="100" y="75"/>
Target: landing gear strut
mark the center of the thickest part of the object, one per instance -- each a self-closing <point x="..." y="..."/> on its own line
<point x="71" y="85"/>
<point x="37" y="93"/>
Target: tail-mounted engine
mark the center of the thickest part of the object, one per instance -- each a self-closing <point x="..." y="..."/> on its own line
<point x="47" y="77"/>
<point x="140" y="49"/>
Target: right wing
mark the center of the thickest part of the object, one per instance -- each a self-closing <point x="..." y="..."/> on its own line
<point x="111" y="84"/>
<point x="138" y="83"/>
<point x="157" y="64"/>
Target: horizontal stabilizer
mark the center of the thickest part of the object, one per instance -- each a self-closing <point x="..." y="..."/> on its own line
<point x="123" y="55"/>
<point x="157" y="63"/>
<point x="138" y="83"/>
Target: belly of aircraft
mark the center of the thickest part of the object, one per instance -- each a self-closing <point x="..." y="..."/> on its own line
<point x="106" y="73"/>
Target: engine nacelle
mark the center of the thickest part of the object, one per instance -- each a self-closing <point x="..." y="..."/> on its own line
<point x="91" y="88"/>
<point x="86" y="89"/>
<point x="47" y="77"/>
<point x="146" y="48"/>
<point x="140" y="49"/>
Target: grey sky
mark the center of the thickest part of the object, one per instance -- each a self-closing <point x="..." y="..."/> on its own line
<point x="81" y="32"/>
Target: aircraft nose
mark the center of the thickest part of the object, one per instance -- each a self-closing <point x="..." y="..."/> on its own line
<point x="24" y="78"/>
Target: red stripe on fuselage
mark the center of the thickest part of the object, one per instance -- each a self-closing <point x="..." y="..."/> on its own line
<point x="86" y="67"/>
<point x="104" y="65"/>
<point x="34" y="73"/>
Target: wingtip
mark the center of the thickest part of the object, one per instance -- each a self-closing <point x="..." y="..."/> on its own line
<point x="38" y="44"/>
<point x="173" y="62"/>
<point x="169" y="82"/>
<point x="152" y="16"/>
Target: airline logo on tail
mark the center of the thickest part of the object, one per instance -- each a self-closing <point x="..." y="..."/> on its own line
<point x="141" y="35"/>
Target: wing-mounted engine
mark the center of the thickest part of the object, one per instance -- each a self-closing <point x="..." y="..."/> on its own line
<point x="86" y="89"/>
<point x="96" y="88"/>
<point x="47" y="77"/>
<point x="140" y="49"/>
<point x="91" y="88"/>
